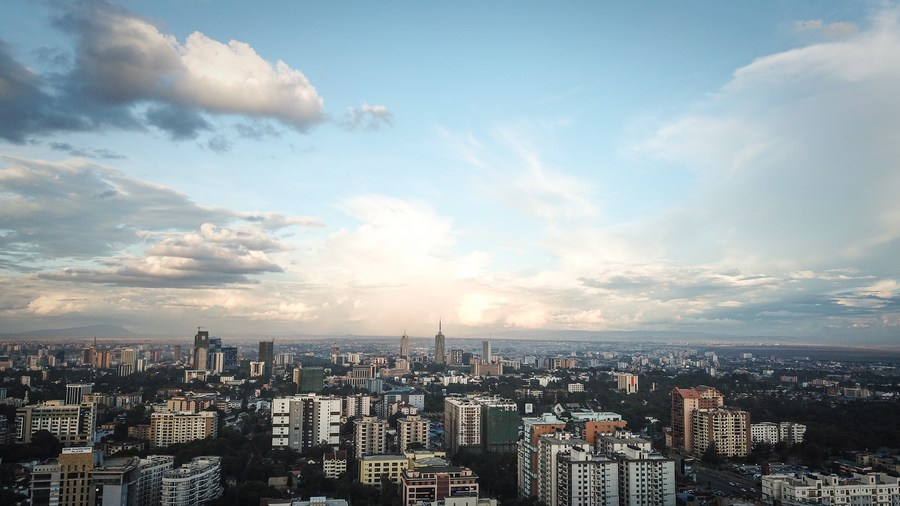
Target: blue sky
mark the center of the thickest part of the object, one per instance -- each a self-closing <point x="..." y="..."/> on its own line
<point x="368" y="168"/>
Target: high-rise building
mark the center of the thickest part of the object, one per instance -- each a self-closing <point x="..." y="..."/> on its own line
<point x="267" y="355"/>
<point x="75" y="392"/>
<point x="500" y="422"/>
<point x="628" y="383"/>
<point x="217" y="362"/>
<point x="404" y="346"/>
<point x="201" y="350"/>
<point x="72" y="425"/>
<point x="462" y="424"/>
<point x="486" y="352"/>
<point x="231" y="358"/>
<point x="369" y="436"/>
<point x="549" y="448"/>
<point x="67" y="480"/>
<point x="412" y="430"/>
<point x="586" y="478"/>
<point x="645" y="477"/>
<point x="684" y="402"/>
<point x="360" y="375"/>
<point x="356" y="405"/>
<point x="180" y="427"/>
<point x="440" y="352"/>
<point x="309" y="379"/>
<point x="533" y="429"/>
<point x="196" y="483"/>
<point x="727" y="429"/>
<point x="176" y="353"/>
<point x="303" y="421"/>
<point x="152" y="468"/>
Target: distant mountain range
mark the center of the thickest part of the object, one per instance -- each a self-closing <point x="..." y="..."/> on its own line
<point x="88" y="331"/>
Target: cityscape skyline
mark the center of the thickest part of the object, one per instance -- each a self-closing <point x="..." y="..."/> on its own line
<point x="724" y="170"/>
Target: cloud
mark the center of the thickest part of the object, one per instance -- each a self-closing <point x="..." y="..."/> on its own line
<point x="85" y="152"/>
<point x="124" y="64"/>
<point x="794" y="158"/>
<point x="48" y="208"/>
<point x="368" y="117"/>
<point x="213" y="256"/>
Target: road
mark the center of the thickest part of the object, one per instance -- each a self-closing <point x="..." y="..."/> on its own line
<point x="733" y="485"/>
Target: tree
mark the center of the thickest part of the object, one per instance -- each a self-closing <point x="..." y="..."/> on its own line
<point x="711" y="455"/>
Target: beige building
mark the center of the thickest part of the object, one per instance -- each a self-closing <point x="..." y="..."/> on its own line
<point x="373" y="467"/>
<point x="67" y="481"/>
<point x="171" y="428"/>
<point x="627" y="383"/>
<point x="410" y="430"/>
<point x="728" y="429"/>
<point x="71" y="424"/>
<point x="462" y="424"/>
<point x="369" y="436"/>
<point x="684" y="402"/>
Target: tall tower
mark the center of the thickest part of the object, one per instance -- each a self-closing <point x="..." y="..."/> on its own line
<point x="404" y="346"/>
<point x="267" y="355"/>
<point x="201" y="349"/>
<point x="486" y="352"/>
<point x="440" y="356"/>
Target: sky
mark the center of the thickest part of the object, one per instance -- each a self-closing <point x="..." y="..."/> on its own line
<point x="371" y="168"/>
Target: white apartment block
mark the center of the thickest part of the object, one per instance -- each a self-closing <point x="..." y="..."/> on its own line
<point x="548" y="474"/>
<point x="72" y="424"/>
<point x="302" y="421"/>
<point x="152" y="468"/>
<point x="774" y="433"/>
<point x="728" y="429"/>
<point x="872" y="489"/>
<point x="194" y="484"/>
<point x="586" y="478"/>
<point x="370" y="436"/>
<point x="627" y="383"/>
<point x="180" y="427"/>
<point x="462" y="423"/>
<point x="412" y="429"/>
<point x="356" y="405"/>
<point x="646" y="478"/>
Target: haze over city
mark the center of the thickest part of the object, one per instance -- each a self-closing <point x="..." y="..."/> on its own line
<point x="727" y="169"/>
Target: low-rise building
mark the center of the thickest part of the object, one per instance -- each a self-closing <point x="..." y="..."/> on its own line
<point x="871" y="489"/>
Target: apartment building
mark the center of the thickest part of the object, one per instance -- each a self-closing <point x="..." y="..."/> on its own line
<point x="180" y="427"/>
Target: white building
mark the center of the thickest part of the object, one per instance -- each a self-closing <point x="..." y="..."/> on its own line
<point x="151" y="471"/>
<point x="302" y="421"/>
<point x="586" y="478"/>
<point x="194" y="484"/>
<point x="774" y="433"/>
<point x="646" y="478"/>
<point x="72" y="425"/>
<point x="548" y="474"/>
<point x="872" y="489"/>
<point x="412" y="429"/>
<point x="628" y="383"/>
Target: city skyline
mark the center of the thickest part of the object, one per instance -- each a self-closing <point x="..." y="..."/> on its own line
<point x="509" y="167"/>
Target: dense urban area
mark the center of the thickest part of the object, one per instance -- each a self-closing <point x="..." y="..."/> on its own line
<point x="455" y="422"/>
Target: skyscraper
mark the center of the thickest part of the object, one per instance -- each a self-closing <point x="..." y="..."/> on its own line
<point x="440" y="356"/>
<point x="486" y="352"/>
<point x="267" y="355"/>
<point x="201" y="349"/>
<point x="684" y="402"/>
<point x="404" y="346"/>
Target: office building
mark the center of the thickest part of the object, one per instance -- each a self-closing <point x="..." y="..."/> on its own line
<point x="684" y="402"/>
<point x="412" y="431"/>
<point x="486" y="357"/>
<point x="370" y="436"/>
<point x="361" y="374"/>
<point x="727" y="429"/>
<point x="404" y="346"/>
<point x="440" y="351"/>
<point x="196" y="483"/>
<point x="462" y="424"/>
<point x="267" y="355"/>
<point x="430" y="484"/>
<point x="72" y="425"/>
<point x="180" y="427"/>
<point x="303" y="421"/>
<point x="75" y="392"/>
<point x="66" y="481"/>
<point x="230" y="358"/>
<point x="201" y="350"/>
